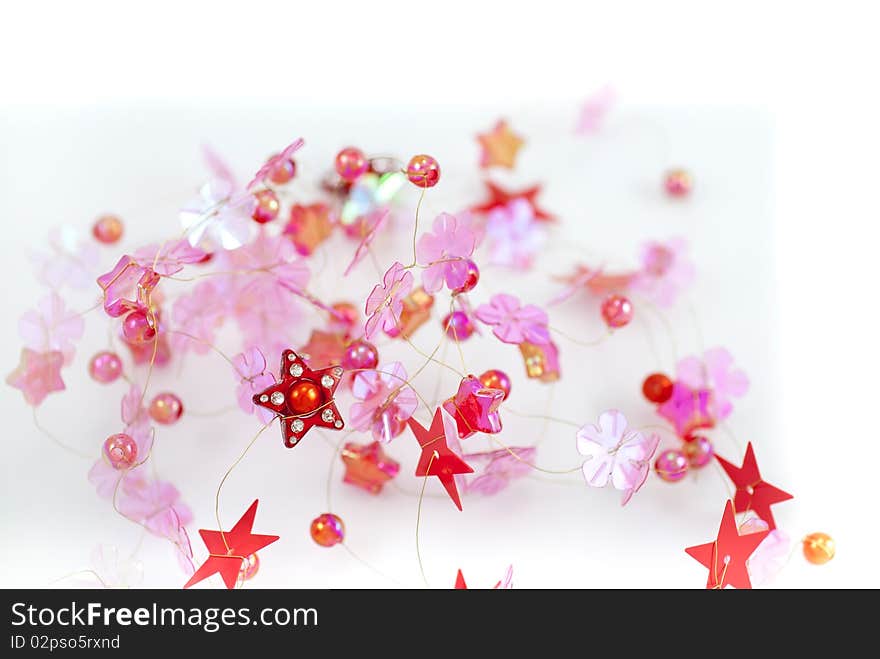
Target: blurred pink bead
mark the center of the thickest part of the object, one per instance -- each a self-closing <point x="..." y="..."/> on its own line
<point x="360" y="355"/>
<point x="107" y="229"/>
<point x="121" y="451"/>
<point x="698" y="450"/>
<point x="671" y="466"/>
<point x="136" y="328"/>
<point x="351" y="164"/>
<point x="166" y="408"/>
<point x="678" y="183"/>
<point x="282" y="172"/>
<point x="105" y="367"/>
<point x="267" y="206"/>
<point x="250" y="566"/>
<point x="458" y="326"/>
<point x="423" y="171"/>
<point x="471" y="278"/>
<point x="617" y="311"/>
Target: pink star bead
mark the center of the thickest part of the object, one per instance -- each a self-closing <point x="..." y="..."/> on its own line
<point x="38" y="374"/>
<point x="475" y="408"/>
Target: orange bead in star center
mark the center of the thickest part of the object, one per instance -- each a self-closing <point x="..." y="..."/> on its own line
<point x="304" y="397"/>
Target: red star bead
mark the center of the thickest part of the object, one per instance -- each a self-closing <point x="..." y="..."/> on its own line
<point x="752" y="493"/>
<point x="437" y="459"/>
<point x="229" y="551"/>
<point x="367" y="466"/>
<point x="498" y="196"/>
<point x="303" y="398"/>
<point x="726" y="557"/>
<point x="475" y="407"/>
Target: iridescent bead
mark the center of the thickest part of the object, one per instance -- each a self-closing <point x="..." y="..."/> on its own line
<point x="121" y="451"/>
<point x="327" y="530"/>
<point x="657" y="388"/>
<point x="267" y="206"/>
<point x="351" y="164"/>
<point x="107" y="229"/>
<point x="249" y="567"/>
<point x="458" y="326"/>
<point x="360" y="355"/>
<point x="137" y="329"/>
<point x="282" y="172"/>
<point x="105" y="367"/>
<point x="423" y="171"/>
<point x="671" y="466"/>
<point x="471" y="278"/>
<point x="495" y="379"/>
<point x="678" y="183"/>
<point x="698" y="450"/>
<point x="617" y="311"/>
<point x="165" y="408"/>
<point x="818" y="548"/>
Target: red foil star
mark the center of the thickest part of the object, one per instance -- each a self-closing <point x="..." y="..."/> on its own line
<point x="498" y="196"/>
<point x="726" y="557"/>
<point x="752" y="493"/>
<point x="325" y="348"/>
<point x="228" y="551"/>
<point x="459" y="581"/>
<point x="437" y="459"/>
<point x="367" y="466"/>
<point x="303" y="398"/>
<point x="475" y="408"/>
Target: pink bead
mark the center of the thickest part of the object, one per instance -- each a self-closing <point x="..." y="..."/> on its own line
<point x="267" y="206"/>
<point x="121" y="451"/>
<point x="360" y="354"/>
<point x="351" y="164"/>
<point x="282" y="172"/>
<point x="137" y="329"/>
<point x="617" y="311"/>
<point x="458" y="326"/>
<point x="105" y="367"/>
<point x="165" y="408"/>
<point x="107" y="229"/>
<point x="698" y="450"/>
<point x="671" y="466"/>
<point x="472" y="277"/>
<point x="423" y="171"/>
<point x="678" y="183"/>
<point x="249" y="567"/>
<point x="327" y="530"/>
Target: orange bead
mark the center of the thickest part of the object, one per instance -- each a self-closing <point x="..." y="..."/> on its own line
<point x="657" y="388"/>
<point x="327" y="530"/>
<point x="266" y="207"/>
<point x="304" y="397"/>
<point x="495" y="379"/>
<point x="107" y="229"/>
<point x="819" y="548"/>
<point x="165" y="408"/>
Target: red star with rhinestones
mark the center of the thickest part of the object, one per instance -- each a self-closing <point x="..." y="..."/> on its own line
<point x="437" y="459"/>
<point x="752" y="493"/>
<point x="303" y="398"/>
<point x="726" y="557"/>
<point x="498" y="197"/>
<point x="228" y="551"/>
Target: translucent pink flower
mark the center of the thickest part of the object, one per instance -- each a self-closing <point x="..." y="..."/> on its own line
<point x="250" y="368"/>
<point x="372" y="224"/>
<point x="168" y="258"/>
<point x="70" y="261"/>
<point x="771" y="555"/>
<point x="51" y="326"/>
<point x="513" y="323"/>
<point x="385" y="404"/>
<point x="514" y="235"/>
<point x="594" y="110"/>
<point x="274" y="162"/>
<point x="688" y="409"/>
<point x="473" y="222"/>
<point x="198" y="314"/>
<point x="615" y="454"/>
<point x="506" y="582"/>
<point x="220" y="218"/>
<point x="714" y="371"/>
<point x="385" y="303"/>
<point x="501" y="468"/>
<point x="37" y="375"/>
<point x="127" y="287"/>
<point x="155" y="504"/>
<point x="116" y="572"/>
<point x="665" y="271"/>
<point x="443" y="252"/>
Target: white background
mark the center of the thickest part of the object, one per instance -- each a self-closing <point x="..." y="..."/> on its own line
<point x="809" y="66"/>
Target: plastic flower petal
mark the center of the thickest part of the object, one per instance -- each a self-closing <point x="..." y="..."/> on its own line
<point x="513" y="323"/>
<point x="37" y="375"/>
<point x="273" y="162"/>
<point x="250" y="367"/>
<point x="665" y="271"/>
<point x="220" y="218"/>
<point x="514" y="234"/>
<point x="443" y="252"/>
<point x="70" y="262"/>
<point x="113" y="571"/>
<point x="385" y="303"/>
<point x="196" y="316"/>
<point x="714" y="371"/>
<point x="372" y="224"/>
<point x="688" y="409"/>
<point x="385" y="402"/>
<point x="506" y="582"/>
<point x="501" y="467"/>
<point x="615" y="454"/>
<point x="51" y="327"/>
<point x="168" y="258"/>
<point x="594" y="110"/>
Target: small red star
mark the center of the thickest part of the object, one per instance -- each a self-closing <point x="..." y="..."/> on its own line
<point x="499" y="146"/>
<point x="752" y="493"/>
<point x="303" y="398"/>
<point x="459" y="582"/>
<point x="229" y="551"/>
<point x="498" y="197"/>
<point x="475" y="408"/>
<point x="437" y="459"/>
<point x="367" y="466"/>
<point x="726" y="557"/>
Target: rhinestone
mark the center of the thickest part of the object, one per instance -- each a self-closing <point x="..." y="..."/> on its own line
<point x="291" y="357"/>
<point x="297" y="425"/>
<point x="296" y="370"/>
<point x="337" y="371"/>
<point x="277" y="398"/>
<point x="327" y="381"/>
<point x="327" y="415"/>
<point x="306" y="356"/>
<point x="338" y="423"/>
<point x="264" y="398"/>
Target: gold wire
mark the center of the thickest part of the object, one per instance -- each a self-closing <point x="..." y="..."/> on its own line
<point x="434" y="455"/>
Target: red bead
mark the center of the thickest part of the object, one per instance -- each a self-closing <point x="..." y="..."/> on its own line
<point x="107" y="229"/>
<point x="137" y="328"/>
<point x="657" y="388"/>
<point x="351" y="164"/>
<point x="698" y="450"/>
<point x="304" y="397"/>
<point x="473" y="276"/>
<point x="327" y="530"/>
<point x="249" y="567"/>
<point x="105" y="367"/>
<point x="678" y="183"/>
<point x="617" y="311"/>
<point x="282" y="172"/>
<point x="423" y="171"/>
<point x="671" y="466"/>
<point x="495" y="379"/>
<point x="166" y="408"/>
<point x="267" y="206"/>
<point x="458" y="326"/>
<point x="121" y="451"/>
<point x="360" y="355"/>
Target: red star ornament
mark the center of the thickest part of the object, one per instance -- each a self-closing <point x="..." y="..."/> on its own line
<point x="437" y="459"/>
<point x="459" y="582"/>
<point x="498" y="197"/>
<point x="303" y="398"/>
<point x="752" y="493"/>
<point x="726" y="557"/>
<point x="368" y="467"/>
<point x="229" y="551"/>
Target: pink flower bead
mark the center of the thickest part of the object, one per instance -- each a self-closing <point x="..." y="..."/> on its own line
<point x="166" y="408"/>
<point x="423" y="171"/>
<point x="137" y="329"/>
<point x="351" y="164"/>
<point x="105" y="367"/>
<point x="267" y="206"/>
<point x="617" y="311"/>
<point x="121" y="451"/>
<point x="458" y="326"/>
<point x="671" y="466"/>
